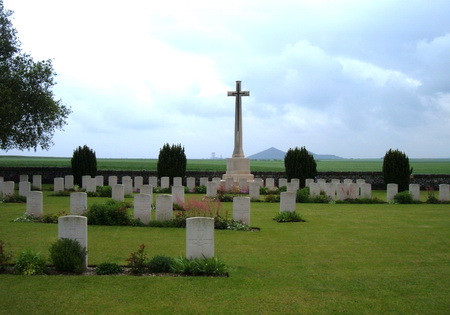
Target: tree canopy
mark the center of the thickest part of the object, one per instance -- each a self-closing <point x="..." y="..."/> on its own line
<point x="299" y="163"/>
<point x="29" y="114"/>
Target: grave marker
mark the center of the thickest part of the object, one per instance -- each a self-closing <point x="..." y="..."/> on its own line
<point x="241" y="209"/>
<point x="199" y="237"/>
<point x="74" y="227"/>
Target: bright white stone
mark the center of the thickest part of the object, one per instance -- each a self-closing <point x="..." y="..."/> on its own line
<point x="164" y="208"/>
<point x="35" y="203"/>
<point x="74" y="227"/>
<point x="118" y="192"/>
<point x="37" y="182"/>
<point x="282" y="182"/>
<point x="78" y="203"/>
<point x="199" y="237"/>
<point x="444" y="192"/>
<point x="165" y="182"/>
<point x="287" y="202"/>
<point x="392" y="190"/>
<point x="414" y="190"/>
<point x="58" y="184"/>
<point x="24" y="188"/>
<point x="112" y="180"/>
<point x="143" y="207"/>
<point x="68" y="182"/>
<point x="178" y="194"/>
<point x="270" y="182"/>
<point x="241" y="209"/>
<point x="254" y="190"/>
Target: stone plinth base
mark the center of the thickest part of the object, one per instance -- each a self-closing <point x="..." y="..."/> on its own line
<point x="238" y="168"/>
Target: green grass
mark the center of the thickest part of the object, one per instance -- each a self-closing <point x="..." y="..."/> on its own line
<point x="352" y="259"/>
<point x="420" y="166"/>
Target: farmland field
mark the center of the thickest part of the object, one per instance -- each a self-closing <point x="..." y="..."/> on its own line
<point x="420" y="166"/>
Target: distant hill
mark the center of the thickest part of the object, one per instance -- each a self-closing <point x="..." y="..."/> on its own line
<point x="275" y="154"/>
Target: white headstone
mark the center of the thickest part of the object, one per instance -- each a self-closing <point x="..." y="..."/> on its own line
<point x="8" y="188"/>
<point x="118" y="192"/>
<point x="321" y="182"/>
<point x="91" y="185"/>
<point x="241" y="209"/>
<point x="282" y="182"/>
<point x="99" y="181"/>
<point x="112" y="180"/>
<point x="74" y="227"/>
<point x="84" y="181"/>
<point x="444" y="192"/>
<point x="24" y="188"/>
<point x="243" y="184"/>
<point x="314" y="189"/>
<point x="211" y="189"/>
<point x="335" y="181"/>
<point x="341" y="191"/>
<point x="366" y="190"/>
<point x="147" y="189"/>
<point x="330" y="190"/>
<point x="308" y="182"/>
<point x="177" y="181"/>
<point x="270" y="182"/>
<point x="353" y="191"/>
<point x="414" y="190"/>
<point x="217" y="180"/>
<point x="178" y="194"/>
<point x="68" y="182"/>
<point x="165" y="182"/>
<point x="164" y="208"/>
<point x="190" y="183"/>
<point x="128" y="185"/>
<point x="392" y="190"/>
<point x="254" y="190"/>
<point x="138" y="183"/>
<point x="35" y="203"/>
<point x="292" y="187"/>
<point x="287" y="202"/>
<point x="229" y="183"/>
<point x="260" y="181"/>
<point x="58" y="184"/>
<point x="23" y="178"/>
<point x="143" y="207"/>
<point x="348" y="181"/>
<point x="78" y="203"/>
<point x="203" y="181"/>
<point x="199" y="237"/>
<point x="37" y="182"/>
<point x="153" y="180"/>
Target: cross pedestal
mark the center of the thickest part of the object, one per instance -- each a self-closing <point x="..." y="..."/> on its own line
<point x="238" y="166"/>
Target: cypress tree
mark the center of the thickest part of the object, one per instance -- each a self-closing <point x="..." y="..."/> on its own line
<point x="299" y="163"/>
<point x="84" y="162"/>
<point x="396" y="169"/>
<point x="171" y="161"/>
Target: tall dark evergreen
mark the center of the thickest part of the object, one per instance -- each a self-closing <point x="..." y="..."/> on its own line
<point x="29" y="112"/>
<point x="84" y="162"/>
<point x="172" y="161"/>
<point x="396" y="169"/>
<point x="299" y="163"/>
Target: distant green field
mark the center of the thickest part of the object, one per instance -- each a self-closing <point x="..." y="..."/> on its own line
<point x="420" y="166"/>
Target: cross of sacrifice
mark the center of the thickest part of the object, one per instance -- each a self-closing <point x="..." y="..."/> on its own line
<point x="238" y="151"/>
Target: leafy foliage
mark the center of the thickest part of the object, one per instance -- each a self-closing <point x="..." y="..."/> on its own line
<point x="299" y="163"/>
<point x="403" y="197"/>
<point x="84" y="162"/>
<point x="14" y="198"/>
<point x="68" y="255"/>
<point x="108" y="269"/>
<point x="112" y="212"/>
<point x="286" y="216"/>
<point x="30" y="114"/>
<point x="5" y="258"/>
<point x="137" y="260"/>
<point x="160" y="264"/>
<point x="171" y="161"/>
<point x="199" y="266"/>
<point x="396" y="169"/>
<point x="30" y="263"/>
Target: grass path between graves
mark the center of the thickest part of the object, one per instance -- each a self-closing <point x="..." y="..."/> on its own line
<point x="352" y="259"/>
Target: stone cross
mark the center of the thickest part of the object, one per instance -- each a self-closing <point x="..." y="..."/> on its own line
<point x="238" y="152"/>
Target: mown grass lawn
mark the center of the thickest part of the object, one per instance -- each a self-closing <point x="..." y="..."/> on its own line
<point x="352" y="259"/>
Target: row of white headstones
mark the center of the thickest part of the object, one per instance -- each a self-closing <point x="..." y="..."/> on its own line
<point x="199" y="234"/>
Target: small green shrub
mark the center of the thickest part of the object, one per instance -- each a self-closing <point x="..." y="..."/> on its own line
<point x="5" y="258"/>
<point x="322" y="198"/>
<point x="14" y="198"/>
<point x="199" y="266"/>
<point x="111" y="213"/>
<point x="286" y="216"/>
<point x="27" y="218"/>
<point x="137" y="260"/>
<point x="200" y="189"/>
<point x="104" y="191"/>
<point x="160" y="264"/>
<point x="237" y="226"/>
<point x="431" y="196"/>
<point x="68" y="255"/>
<point x="30" y="263"/>
<point x="303" y="195"/>
<point x="403" y="197"/>
<point x="272" y="198"/>
<point x="108" y="269"/>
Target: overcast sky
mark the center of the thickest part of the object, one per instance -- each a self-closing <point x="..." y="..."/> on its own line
<point x="352" y="78"/>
